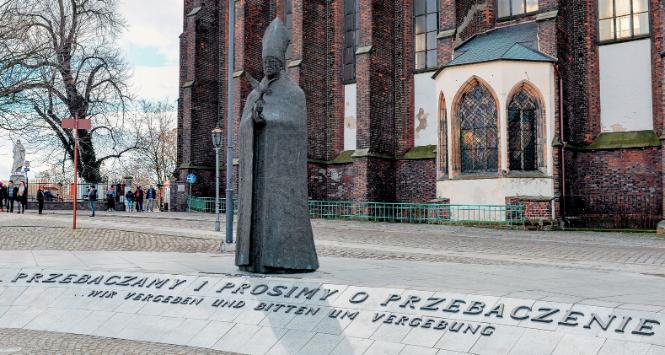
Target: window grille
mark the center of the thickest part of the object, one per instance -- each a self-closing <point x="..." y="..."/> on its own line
<point x="351" y="38"/>
<point x="478" y="131"/>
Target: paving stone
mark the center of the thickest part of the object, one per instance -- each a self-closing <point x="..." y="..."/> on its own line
<point x="351" y="345"/>
<point x="384" y="348"/>
<point x="426" y="337"/>
<point x="320" y="344"/>
<point x="263" y="340"/>
<point x="291" y="342"/>
<point x="39" y="342"/>
<point x="536" y="342"/>
<point x="210" y="334"/>
<point x="459" y="342"/>
<point x="19" y="316"/>
<point x="572" y="344"/>
<point x="237" y="338"/>
<point x="418" y="350"/>
<point x="656" y="350"/>
<point x="615" y="347"/>
<point x="500" y="343"/>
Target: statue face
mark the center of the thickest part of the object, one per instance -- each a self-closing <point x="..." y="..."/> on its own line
<point x="272" y="66"/>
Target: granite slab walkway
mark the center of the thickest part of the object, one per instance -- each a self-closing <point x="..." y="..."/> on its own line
<point x="370" y="306"/>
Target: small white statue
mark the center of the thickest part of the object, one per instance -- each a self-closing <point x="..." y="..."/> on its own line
<point x="19" y="157"/>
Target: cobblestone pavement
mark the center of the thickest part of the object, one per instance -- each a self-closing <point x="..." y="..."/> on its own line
<point x="60" y="238"/>
<point x="20" y="341"/>
<point x="193" y="233"/>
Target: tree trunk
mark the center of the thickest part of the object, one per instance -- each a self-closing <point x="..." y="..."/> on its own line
<point x="89" y="166"/>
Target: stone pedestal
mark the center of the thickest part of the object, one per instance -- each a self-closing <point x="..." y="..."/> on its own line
<point x="17" y="177"/>
<point x="660" y="228"/>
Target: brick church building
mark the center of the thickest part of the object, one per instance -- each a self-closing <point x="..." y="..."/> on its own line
<point x="554" y="104"/>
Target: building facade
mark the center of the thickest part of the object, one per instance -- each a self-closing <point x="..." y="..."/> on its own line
<point x="553" y="104"/>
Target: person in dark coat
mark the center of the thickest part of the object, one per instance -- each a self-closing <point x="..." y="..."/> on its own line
<point x="40" y="200"/>
<point x="92" y="199"/>
<point x="129" y="200"/>
<point x="139" y="199"/>
<point x="22" y="197"/>
<point x="110" y="199"/>
<point x="3" y="196"/>
<point x="11" y="196"/>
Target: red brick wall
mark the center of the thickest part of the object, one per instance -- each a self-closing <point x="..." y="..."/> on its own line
<point x="416" y="180"/>
<point x="534" y="209"/>
<point x="616" y="182"/>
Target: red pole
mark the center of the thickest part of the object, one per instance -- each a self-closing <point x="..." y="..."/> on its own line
<point x="76" y="165"/>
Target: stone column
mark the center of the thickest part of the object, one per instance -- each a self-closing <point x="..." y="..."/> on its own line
<point x="375" y="74"/>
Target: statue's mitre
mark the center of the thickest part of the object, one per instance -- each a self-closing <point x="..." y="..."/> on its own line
<point x="276" y="40"/>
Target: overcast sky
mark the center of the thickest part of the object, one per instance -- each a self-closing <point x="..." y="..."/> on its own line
<point x="150" y="46"/>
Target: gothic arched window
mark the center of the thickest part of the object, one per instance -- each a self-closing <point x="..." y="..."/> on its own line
<point x="443" y="138"/>
<point x="524" y="142"/>
<point x="477" y="115"/>
<point x="522" y="132"/>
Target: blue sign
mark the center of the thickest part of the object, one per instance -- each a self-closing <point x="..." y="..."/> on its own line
<point x="191" y="178"/>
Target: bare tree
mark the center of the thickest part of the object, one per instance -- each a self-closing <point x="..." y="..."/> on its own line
<point x="158" y="138"/>
<point x="64" y="63"/>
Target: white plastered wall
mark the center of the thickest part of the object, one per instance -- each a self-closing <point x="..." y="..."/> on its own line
<point x="501" y="77"/>
<point x="350" y="121"/>
<point x="625" y="86"/>
<point x="425" y="120"/>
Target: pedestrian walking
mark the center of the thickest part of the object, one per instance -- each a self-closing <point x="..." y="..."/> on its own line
<point x="40" y="200"/>
<point x="92" y="199"/>
<point x="3" y="196"/>
<point x="151" y="195"/>
<point x="129" y="200"/>
<point x="110" y="199"/>
<point x="11" y="196"/>
<point x="139" y="199"/>
<point x="22" y="197"/>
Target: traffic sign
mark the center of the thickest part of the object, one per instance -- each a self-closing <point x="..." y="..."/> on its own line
<point x="191" y="178"/>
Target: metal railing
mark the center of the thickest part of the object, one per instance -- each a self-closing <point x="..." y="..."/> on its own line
<point x="428" y="213"/>
<point x="59" y="192"/>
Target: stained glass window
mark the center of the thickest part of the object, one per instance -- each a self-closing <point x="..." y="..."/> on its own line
<point x="425" y="29"/>
<point x="478" y="131"/>
<point x="522" y="132"/>
<point x="622" y="19"/>
<point x="351" y="38"/>
<point x="443" y="138"/>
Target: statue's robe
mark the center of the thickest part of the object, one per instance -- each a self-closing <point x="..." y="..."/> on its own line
<point x="274" y="232"/>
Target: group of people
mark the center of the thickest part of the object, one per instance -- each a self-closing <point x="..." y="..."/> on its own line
<point x="11" y="195"/>
<point x="134" y="199"/>
<point x="16" y="196"/>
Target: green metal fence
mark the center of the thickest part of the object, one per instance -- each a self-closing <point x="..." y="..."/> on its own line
<point x="430" y="213"/>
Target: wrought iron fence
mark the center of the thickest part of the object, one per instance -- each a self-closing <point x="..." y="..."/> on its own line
<point x="429" y="213"/>
<point x="59" y="192"/>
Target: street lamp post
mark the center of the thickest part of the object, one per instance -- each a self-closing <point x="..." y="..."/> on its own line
<point x="229" y="123"/>
<point x="217" y="137"/>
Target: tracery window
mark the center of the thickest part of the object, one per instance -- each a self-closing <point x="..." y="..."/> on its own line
<point x="477" y="116"/>
<point x="511" y="8"/>
<point x="523" y="142"/>
<point x="443" y="138"/>
<point x="426" y="28"/>
<point x="622" y="19"/>
<point x="351" y="38"/>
